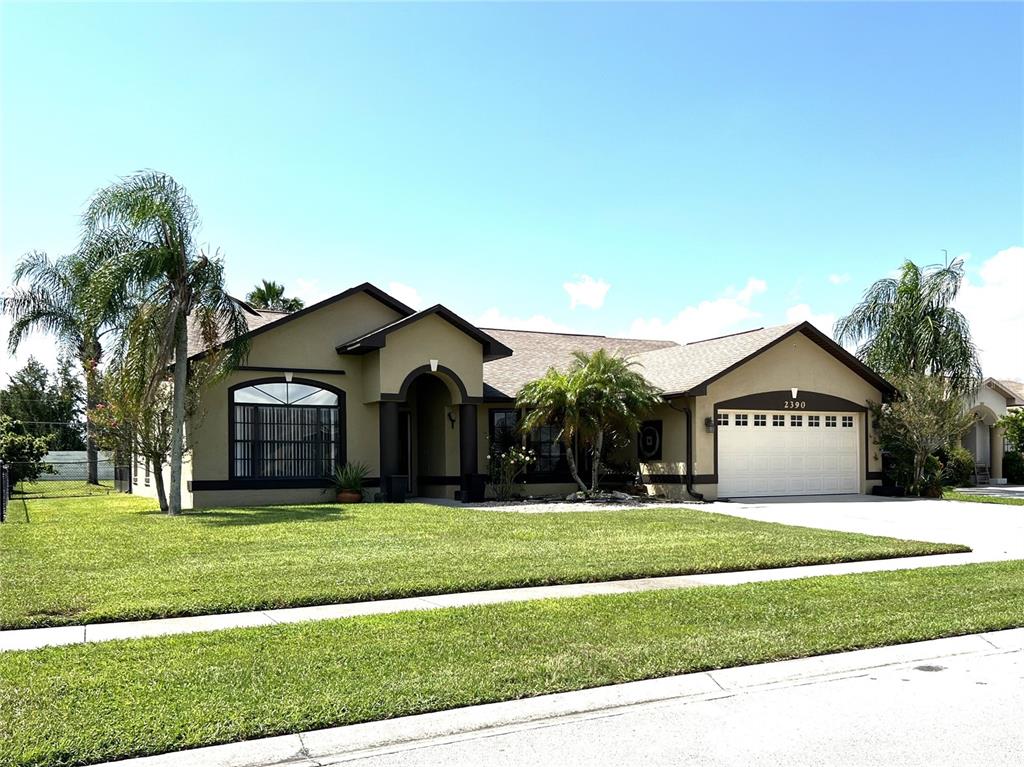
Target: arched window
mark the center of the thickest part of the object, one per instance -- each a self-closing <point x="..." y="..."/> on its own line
<point x="285" y="430"/>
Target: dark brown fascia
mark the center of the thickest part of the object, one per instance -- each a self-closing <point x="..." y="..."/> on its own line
<point x="493" y="349"/>
<point x="887" y="389"/>
<point x="368" y="288"/>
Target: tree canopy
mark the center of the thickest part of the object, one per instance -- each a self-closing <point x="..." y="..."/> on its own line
<point x="270" y="295"/>
<point x="907" y="326"/>
<point x="600" y="398"/>
<point x="47" y="404"/>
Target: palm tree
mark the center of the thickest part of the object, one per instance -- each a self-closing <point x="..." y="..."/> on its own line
<point x="270" y="295"/>
<point x="600" y="397"/>
<point x="556" y="399"/>
<point x="54" y="301"/>
<point x="145" y="224"/>
<point x="908" y="326"/>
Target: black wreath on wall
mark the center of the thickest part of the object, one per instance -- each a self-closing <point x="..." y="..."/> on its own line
<point x="648" y="442"/>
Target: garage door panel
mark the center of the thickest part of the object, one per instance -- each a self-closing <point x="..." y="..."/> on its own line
<point x="797" y="458"/>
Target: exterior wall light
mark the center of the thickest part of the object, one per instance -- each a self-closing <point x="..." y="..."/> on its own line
<point x="709" y="425"/>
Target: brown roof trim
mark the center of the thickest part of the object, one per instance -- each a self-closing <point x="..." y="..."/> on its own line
<point x="821" y="340"/>
<point x="377" y="339"/>
<point x="995" y="383"/>
<point x="368" y="288"/>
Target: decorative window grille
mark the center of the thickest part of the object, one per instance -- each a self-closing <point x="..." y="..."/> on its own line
<point x="285" y="431"/>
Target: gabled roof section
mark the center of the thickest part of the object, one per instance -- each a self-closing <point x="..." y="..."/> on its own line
<point x="689" y="369"/>
<point x="1012" y="390"/>
<point x="536" y="351"/>
<point x="377" y="339"/>
<point x="260" y="320"/>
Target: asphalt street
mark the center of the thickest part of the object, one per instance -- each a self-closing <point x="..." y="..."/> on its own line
<point x="954" y="711"/>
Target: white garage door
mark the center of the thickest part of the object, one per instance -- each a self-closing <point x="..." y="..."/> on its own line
<point x="805" y="453"/>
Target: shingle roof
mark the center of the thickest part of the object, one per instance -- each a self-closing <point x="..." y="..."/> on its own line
<point x="673" y="368"/>
<point x="533" y="352"/>
<point x="682" y="368"/>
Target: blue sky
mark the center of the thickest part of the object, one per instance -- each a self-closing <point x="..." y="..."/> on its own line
<point x="710" y="168"/>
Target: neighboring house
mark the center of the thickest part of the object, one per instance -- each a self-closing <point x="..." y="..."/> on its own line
<point x="418" y="396"/>
<point x="985" y="440"/>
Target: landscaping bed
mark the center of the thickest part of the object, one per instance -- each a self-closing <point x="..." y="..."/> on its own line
<point x="117" y="558"/>
<point x="88" y="703"/>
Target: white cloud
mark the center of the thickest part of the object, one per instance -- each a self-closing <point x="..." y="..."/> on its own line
<point x="406" y="294"/>
<point x="493" y="318"/>
<point x="310" y="291"/>
<point x="586" y="292"/>
<point x="993" y="306"/>
<point x="730" y="312"/>
<point x="42" y="347"/>
<point x="838" y="279"/>
<point x="802" y="313"/>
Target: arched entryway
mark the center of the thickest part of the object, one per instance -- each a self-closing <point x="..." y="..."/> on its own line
<point x="428" y="443"/>
<point x="982" y="440"/>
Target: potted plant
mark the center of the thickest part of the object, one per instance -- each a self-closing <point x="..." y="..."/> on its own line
<point x="348" y="481"/>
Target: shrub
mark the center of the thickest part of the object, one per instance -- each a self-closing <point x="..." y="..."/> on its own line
<point x="931" y="484"/>
<point x="23" y="452"/>
<point x="958" y="466"/>
<point x="504" y="467"/>
<point x="1013" y="468"/>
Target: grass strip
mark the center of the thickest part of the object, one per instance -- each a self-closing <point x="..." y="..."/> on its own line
<point x="950" y="495"/>
<point x="116" y="558"/>
<point x="88" y="703"/>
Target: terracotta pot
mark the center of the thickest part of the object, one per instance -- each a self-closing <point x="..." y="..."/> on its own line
<point x="349" y="496"/>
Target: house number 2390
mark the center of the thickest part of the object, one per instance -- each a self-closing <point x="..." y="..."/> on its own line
<point x="793" y="404"/>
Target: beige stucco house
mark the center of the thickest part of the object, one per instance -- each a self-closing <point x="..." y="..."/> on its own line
<point x="419" y="395"/>
<point x="984" y="439"/>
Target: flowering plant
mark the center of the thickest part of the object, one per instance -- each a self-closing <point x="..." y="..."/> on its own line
<point x="505" y="465"/>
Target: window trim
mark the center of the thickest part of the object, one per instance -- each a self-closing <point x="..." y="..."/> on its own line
<point x="341" y="441"/>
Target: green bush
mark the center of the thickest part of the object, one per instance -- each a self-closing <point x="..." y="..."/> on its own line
<point x="931" y="485"/>
<point x="23" y="452"/>
<point x="957" y="466"/>
<point x="1013" y="468"/>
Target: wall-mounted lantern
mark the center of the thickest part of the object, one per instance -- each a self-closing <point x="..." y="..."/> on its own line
<point x="709" y="425"/>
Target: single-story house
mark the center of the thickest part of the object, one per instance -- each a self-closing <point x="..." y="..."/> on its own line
<point x="984" y="439"/>
<point x="419" y="395"/>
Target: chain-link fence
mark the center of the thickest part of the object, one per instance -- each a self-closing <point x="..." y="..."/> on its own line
<point x="68" y="479"/>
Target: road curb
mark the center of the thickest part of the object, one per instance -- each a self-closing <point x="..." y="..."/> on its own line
<point x="339" y="744"/>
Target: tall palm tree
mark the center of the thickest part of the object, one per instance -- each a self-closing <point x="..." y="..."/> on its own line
<point x="270" y="295"/>
<point x="556" y="399"/>
<point x="53" y="301"/>
<point x="600" y="397"/>
<point x="146" y="224"/>
<point x="907" y="326"/>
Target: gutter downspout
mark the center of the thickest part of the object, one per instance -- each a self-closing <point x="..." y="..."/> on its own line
<point x="685" y="410"/>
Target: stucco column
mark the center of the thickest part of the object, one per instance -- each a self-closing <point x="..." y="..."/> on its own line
<point x="996" y="451"/>
<point x="467" y="452"/>
<point x="390" y="453"/>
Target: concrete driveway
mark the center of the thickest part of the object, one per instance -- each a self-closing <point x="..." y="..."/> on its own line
<point x="993" y="531"/>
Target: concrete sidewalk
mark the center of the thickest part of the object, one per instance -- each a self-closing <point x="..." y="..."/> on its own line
<point x="509" y="732"/>
<point x="27" y="639"/>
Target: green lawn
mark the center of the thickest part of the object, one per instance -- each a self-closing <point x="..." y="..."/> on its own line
<point x="115" y="558"/>
<point x="85" y="703"/>
<point x="62" y="487"/>
<point x="952" y="495"/>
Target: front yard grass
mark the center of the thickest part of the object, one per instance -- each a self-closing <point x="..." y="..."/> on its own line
<point x="116" y="558"/>
<point x="87" y="703"/>
<point x="952" y="495"/>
